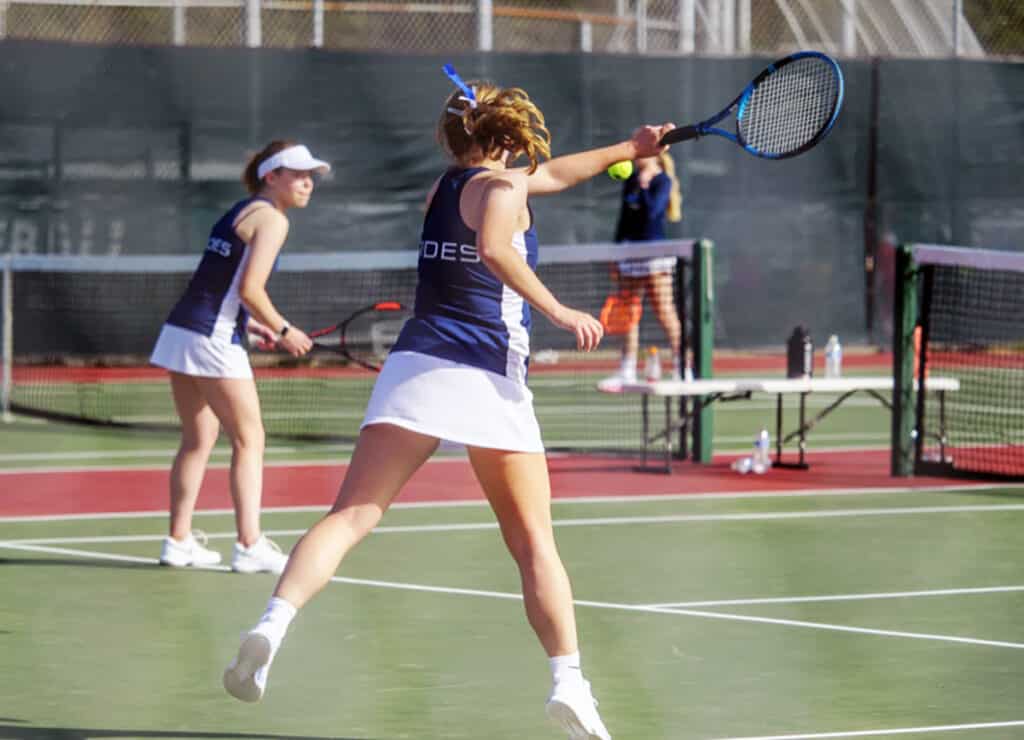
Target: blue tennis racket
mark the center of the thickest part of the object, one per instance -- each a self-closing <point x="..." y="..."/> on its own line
<point x="783" y="112"/>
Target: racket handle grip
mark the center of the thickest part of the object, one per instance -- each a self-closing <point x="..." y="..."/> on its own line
<point x="680" y="134"/>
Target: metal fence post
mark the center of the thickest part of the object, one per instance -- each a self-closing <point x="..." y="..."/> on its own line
<point x="178" y="31"/>
<point x="641" y="26"/>
<point x="318" y="24"/>
<point x="586" y="36"/>
<point x="687" y="26"/>
<point x="484" y="25"/>
<point x="253" y="27"/>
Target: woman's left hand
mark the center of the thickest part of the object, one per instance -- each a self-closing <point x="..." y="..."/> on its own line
<point x="265" y="338"/>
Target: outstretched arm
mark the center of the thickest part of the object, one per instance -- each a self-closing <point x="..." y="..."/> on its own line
<point x="561" y="173"/>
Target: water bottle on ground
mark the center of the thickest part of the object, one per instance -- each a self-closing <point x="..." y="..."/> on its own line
<point x="743" y="465"/>
<point x="652" y="369"/>
<point x="762" y="453"/>
<point x="833" y="357"/>
<point x="760" y="461"/>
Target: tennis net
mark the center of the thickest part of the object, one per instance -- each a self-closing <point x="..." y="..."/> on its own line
<point x="971" y="327"/>
<point x="80" y="330"/>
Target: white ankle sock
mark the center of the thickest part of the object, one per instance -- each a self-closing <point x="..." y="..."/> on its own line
<point x="566" y="668"/>
<point x="275" y="620"/>
<point x="627" y="368"/>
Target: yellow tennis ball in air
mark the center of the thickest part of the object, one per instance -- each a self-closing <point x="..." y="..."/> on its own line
<point x="621" y="170"/>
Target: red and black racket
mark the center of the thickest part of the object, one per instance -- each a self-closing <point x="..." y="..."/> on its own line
<point x="366" y="336"/>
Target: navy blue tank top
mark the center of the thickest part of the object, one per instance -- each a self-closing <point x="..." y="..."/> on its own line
<point x="464" y="313"/>
<point x="211" y="305"/>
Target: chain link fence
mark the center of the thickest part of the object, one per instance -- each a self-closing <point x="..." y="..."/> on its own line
<point x="849" y="28"/>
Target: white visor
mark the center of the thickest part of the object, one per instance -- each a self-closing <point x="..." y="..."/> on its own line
<point x="294" y="158"/>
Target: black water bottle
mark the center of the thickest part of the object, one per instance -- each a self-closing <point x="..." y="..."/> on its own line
<point x="799" y="354"/>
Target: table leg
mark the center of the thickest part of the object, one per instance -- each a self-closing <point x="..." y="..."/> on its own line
<point x="778" y="429"/>
<point x="668" y="434"/>
<point x="942" y="426"/>
<point x="646" y="425"/>
<point x="803" y="429"/>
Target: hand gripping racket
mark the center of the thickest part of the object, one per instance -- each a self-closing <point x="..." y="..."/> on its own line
<point x="783" y="112"/>
<point x="366" y="336"/>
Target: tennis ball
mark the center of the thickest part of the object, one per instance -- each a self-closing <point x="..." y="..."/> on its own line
<point x="621" y="170"/>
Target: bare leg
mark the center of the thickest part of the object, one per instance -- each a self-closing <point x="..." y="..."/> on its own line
<point x="199" y="429"/>
<point x="237" y="405"/>
<point x="518" y="488"/>
<point x="631" y="342"/>
<point x="659" y="292"/>
<point x="385" y="458"/>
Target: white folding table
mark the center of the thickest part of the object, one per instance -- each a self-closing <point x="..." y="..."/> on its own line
<point x="728" y="389"/>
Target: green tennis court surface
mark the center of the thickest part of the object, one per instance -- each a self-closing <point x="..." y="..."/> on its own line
<point x="706" y="617"/>
<point x="745" y="615"/>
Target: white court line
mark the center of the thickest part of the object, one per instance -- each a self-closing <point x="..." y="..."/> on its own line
<point x="581" y="522"/>
<point x="401" y="586"/>
<point x="610" y="499"/>
<point x="892" y="731"/>
<point x="844" y="597"/>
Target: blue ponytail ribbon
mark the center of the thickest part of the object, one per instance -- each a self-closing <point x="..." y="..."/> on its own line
<point x="454" y="77"/>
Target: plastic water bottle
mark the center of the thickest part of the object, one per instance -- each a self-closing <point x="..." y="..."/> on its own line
<point x="833" y="357"/>
<point x="743" y="465"/>
<point x="762" y="453"/>
<point x="652" y="368"/>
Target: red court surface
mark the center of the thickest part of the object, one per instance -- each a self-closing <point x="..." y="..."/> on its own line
<point x="90" y="491"/>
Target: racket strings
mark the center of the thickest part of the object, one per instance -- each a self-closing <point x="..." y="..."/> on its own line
<point x="790" y="107"/>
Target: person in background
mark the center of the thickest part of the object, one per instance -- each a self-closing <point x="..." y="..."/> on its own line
<point x="201" y="346"/>
<point x="650" y="196"/>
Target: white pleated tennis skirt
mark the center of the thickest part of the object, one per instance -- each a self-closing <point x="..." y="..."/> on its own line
<point x="454" y="402"/>
<point x="640" y="268"/>
<point x="192" y="353"/>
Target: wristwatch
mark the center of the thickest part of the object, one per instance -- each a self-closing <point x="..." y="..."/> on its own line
<point x="284" y="330"/>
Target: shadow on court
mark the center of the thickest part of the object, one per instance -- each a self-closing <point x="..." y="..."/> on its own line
<point x="23" y="732"/>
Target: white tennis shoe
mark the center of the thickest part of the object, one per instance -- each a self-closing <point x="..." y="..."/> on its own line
<point x="614" y="383"/>
<point x="573" y="708"/>
<point x="246" y="677"/>
<point x="191" y="551"/>
<point x="262" y="556"/>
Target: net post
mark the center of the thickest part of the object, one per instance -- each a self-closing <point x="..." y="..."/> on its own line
<point x="703" y="341"/>
<point x="679" y="297"/>
<point x="7" y="311"/>
<point x="920" y="348"/>
<point x="905" y="307"/>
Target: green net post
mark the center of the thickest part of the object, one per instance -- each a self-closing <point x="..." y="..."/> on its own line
<point x="703" y="343"/>
<point x="6" y="338"/>
<point x="904" y="323"/>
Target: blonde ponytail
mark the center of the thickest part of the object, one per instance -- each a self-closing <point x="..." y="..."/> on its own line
<point x="502" y="119"/>
<point x="674" y="213"/>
